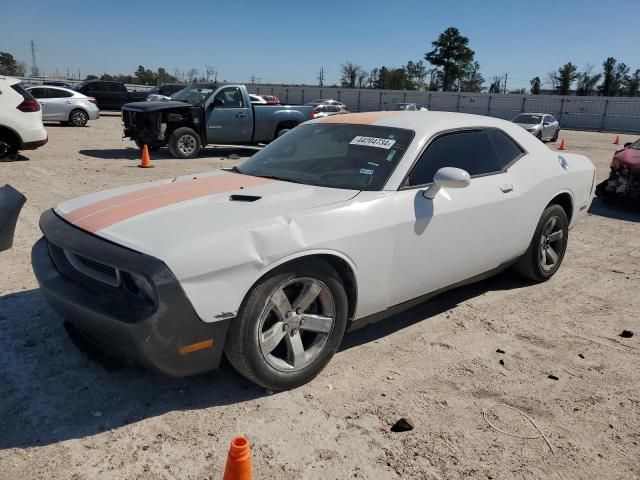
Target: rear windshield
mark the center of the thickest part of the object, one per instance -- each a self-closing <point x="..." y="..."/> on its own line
<point x="355" y="157"/>
<point x="528" y="119"/>
<point x="25" y="94"/>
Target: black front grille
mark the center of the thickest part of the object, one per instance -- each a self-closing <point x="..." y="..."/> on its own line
<point x="100" y="267"/>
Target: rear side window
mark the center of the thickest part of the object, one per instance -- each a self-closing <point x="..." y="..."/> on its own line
<point x="506" y="149"/>
<point x="115" y="87"/>
<point x="38" y="92"/>
<point x="471" y="151"/>
<point x="56" y="93"/>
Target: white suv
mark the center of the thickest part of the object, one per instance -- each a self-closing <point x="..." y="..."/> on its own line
<point x="20" y="119"/>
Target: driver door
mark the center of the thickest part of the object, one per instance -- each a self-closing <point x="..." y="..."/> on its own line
<point x="463" y="232"/>
<point x="229" y="120"/>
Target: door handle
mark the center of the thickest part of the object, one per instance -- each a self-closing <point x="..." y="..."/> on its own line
<point x="506" y="188"/>
<point x="240" y="115"/>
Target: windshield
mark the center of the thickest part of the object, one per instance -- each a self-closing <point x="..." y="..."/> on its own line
<point x="80" y="85"/>
<point x="194" y="94"/>
<point x="355" y="157"/>
<point x="528" y="119"/>
<point x="635" y="145"/>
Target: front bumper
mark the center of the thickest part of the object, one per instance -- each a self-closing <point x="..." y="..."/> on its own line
<point x="159" y="337"/>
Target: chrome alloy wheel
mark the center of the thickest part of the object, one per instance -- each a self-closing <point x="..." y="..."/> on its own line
<point x="551" y="244"/>
<point x="295" y="323"/>
<point x="79" y="118"/>
<point x="187" y="144"/>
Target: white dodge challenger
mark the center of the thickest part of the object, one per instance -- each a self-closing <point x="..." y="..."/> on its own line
<point x="338" y="223"/>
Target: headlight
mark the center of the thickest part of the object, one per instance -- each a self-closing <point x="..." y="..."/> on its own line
<point x="139" y="284"/>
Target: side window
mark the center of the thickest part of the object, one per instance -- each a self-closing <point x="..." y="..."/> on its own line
<point x="471" y="151"/>
<point x="38" y="92"/>
<point x="550" y="118"/>
<point x="94" y="87"/>
<point x="114" y="87"/>
<point x="231" y="98"/>
<point x="506" y="149"/>
<point x="56" y="93"/>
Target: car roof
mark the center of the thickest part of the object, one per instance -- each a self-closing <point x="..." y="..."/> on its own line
<point x="10" y="80"/>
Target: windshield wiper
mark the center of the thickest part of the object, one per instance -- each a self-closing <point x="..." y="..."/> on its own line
<point x="282" y="179"/>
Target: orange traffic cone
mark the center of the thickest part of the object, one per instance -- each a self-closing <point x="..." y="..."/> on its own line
<point x="617" y="140"/>
<point x="238" y="460"/>
<point x="145" y="161"/>
<point x="561" y="147"/>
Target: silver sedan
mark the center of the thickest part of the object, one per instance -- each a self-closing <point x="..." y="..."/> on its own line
<point x="65" y="105"/>
<point x="541" y="125"/>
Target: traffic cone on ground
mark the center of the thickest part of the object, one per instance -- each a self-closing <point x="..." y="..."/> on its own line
<point x="145" y="161"/>
<point x="617" y="140"/>
<point x="238" y="460"/>
<point x="561" y="147"/>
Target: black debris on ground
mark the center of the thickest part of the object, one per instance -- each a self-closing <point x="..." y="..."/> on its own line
<point x="500" y="351"/>
<point x="626" y="334"/>
<point x="402" y="425"/>
<point x="553" y="377"/>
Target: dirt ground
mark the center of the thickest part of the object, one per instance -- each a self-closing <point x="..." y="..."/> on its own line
<point x="63" y="415"/>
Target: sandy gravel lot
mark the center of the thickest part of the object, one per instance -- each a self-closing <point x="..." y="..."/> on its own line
<point x="63" y="415"/>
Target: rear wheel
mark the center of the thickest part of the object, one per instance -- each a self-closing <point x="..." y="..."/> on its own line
<point x="548" y="245"/>
<point x="289" y="326"/>
<point x="8" y="148"/>
<point x="281" y="132"/>
<point x="539" y="136"/>
<point x="555" y="135"/>
<point x="184" y="142"/>
<point x="78" y="118"/>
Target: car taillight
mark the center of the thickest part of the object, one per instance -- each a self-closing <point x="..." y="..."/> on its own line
<point x="29" y="105"/>
<point x="92" y="100"/>
<point x="313" y="114"/>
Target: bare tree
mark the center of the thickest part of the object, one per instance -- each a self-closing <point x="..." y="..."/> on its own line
<point x="210" y="71"/>
<point x="192" y="74"/>
<point x="350" y="73"/>
<point x="551" y="79"/>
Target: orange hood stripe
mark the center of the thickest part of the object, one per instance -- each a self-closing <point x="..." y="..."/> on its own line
<point x="359" y="118"/>
<point x="104" y="213"/>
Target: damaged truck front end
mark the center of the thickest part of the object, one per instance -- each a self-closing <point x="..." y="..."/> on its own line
<point x="623" y="185"/>
<point x="152" y="123"/>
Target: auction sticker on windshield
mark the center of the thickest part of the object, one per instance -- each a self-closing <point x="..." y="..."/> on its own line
<point x="373" y="142"/>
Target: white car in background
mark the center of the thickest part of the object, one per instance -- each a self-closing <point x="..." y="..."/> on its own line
<point x="342" y="221"/>
<point x="65" y="105"/>
<point x="21" y="125"/>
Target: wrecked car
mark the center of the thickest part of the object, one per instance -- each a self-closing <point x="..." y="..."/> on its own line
<point x="623" y="185"/>
<point x="204" y="114"/>
<point x="343" y="221"/>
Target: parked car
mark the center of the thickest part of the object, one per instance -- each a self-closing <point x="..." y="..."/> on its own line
<point x="208" y="114"/>
<point x="21" y="125"/>
<point x="65" y="105"/>
<point x="541" y="125"/>
<point x="328" y="110"/>
<point x="257" y="99"/>
<point x="109" y="95"/>
<point x="409" y="107"/>
<point x="57" y="83"/>
<point x="623" y="184"/>
<point x="271" y="99"/>
<point x="341" y="222"/>
<point x="164" y="91"/>
<point x="326" y="101"/>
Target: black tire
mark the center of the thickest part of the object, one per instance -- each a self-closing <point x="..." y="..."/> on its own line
<point x="154" y="147"/>
<point x="8" y="148"/>
<point x="78" y="118"/>
<point x="184" y="142"/>
<point x="243" y="348"/>
<point x="555" y="136"/>
<point x="281" y="132"/>
<point x="539" y="136"/>
<point x="534" y="264"/>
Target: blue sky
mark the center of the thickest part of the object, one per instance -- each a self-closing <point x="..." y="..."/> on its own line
<point x="288" y="41"/>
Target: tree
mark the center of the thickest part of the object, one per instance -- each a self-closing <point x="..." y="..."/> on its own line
<point x="567" y="74"/>
<point x="416" y="73"/>
<point x="452" y="53"/>
<point x="552" y="80"/>
<point x="613" y="77"/>
<point x="363" y="77"/>
<point x="587" y="82"/>
<point x="536" y="84"/>
<point x="632" y="84"/>
<point x="496" y="85"/>
<point x="91" y="77"/>
<point x="350" y="72"/>
<point x="473" y="79"/>
<point x="8" y="64"/>
<point x="192" y="75"/>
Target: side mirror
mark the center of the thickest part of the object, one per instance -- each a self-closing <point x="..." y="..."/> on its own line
<point x="447" y="177"/>
<point x="627" y="145"/>
<point x="546" y="124"/>
<point x="217" y="102"/>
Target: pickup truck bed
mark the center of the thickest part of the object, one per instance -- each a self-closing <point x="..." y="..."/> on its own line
<point x="216" y="115"/>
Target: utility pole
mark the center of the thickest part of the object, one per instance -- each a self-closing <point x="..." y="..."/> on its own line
<point x="506" y="75"/>
<point x="34" y="66"/>
<point x="321" y="77"/>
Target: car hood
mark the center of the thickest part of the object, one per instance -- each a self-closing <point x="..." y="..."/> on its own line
<point x="154" y="106"/>
<point x="629" y="157"/>
<point x="157" y="217"/>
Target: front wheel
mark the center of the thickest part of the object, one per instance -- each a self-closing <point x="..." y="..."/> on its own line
<point x="184" y="142"/>
<point x="289" y="326"/>
<point x="555" y="135"/>
<point x="548" y="245"/>
<point x="8" y="148"/>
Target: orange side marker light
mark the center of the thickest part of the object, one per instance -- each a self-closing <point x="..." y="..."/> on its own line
<point x="195" y="347"/>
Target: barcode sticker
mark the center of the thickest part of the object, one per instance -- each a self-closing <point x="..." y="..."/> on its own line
<point x="373" y="142"/>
